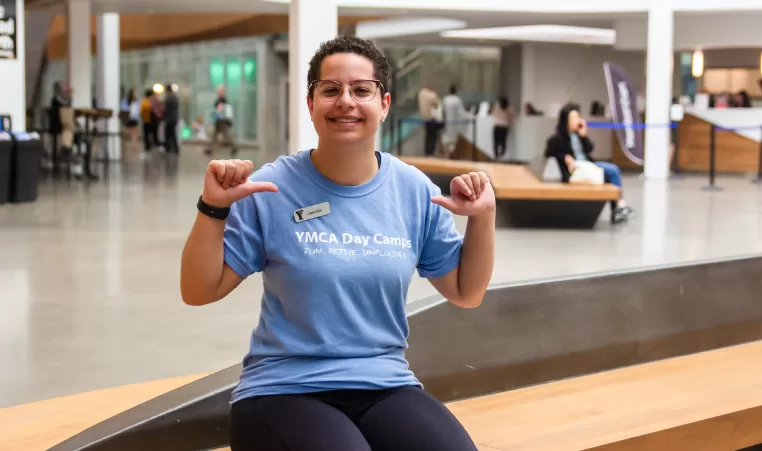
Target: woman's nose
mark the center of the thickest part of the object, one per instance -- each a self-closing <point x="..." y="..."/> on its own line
<point x="345" y="98"/>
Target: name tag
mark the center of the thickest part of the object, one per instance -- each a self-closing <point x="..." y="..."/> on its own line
<point x="315" y="211"/>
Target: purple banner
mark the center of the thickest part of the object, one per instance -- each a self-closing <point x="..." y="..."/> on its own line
<point x="624" y="111"/>
<point x="8" y="29"/>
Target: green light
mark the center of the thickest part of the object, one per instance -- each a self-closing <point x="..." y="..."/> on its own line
<point x="216" y="72"/>
<point x="234" y="72"/>
<point x="250" y="70"/>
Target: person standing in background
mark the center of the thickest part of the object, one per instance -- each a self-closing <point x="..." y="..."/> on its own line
<point x="62" y="120"/>
<point x="428" y="102"/>
<point x="130" y="114"/>
<point x="455" y="115"/>
<point x="149" y="126"/>
<point x="223" y="123"/>
<point x="504" y="117"/>
<point x="157" y="116"/>
<point x="171" y="118"/>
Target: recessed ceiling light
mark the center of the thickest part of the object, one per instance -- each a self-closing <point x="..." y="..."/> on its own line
<point x="538" y="33"/>
<point x="406" y="27"/>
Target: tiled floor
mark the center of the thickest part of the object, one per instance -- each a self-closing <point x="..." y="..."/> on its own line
<point x="89" y="274"/>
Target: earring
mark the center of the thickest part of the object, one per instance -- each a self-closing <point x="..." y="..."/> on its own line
<point x="383" y="119"/>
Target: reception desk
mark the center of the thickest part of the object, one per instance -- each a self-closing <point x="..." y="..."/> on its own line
<point x="735" y="152"/>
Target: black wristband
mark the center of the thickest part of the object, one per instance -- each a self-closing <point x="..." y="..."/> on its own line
<point x="220" y="213"/>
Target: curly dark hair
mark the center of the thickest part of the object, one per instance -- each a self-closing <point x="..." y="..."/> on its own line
<point x="350" y="44"/>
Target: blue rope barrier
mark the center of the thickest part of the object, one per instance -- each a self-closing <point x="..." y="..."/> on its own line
<point x="636" y="126"/>
<point x="418" y="120"/>
<point x="739" y="128"/>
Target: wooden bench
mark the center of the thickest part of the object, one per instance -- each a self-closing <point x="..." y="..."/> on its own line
<point x="702" y="402"/>
<point x="524" y="200"/>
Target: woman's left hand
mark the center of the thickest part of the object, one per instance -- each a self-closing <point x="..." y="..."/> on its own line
<point x="471" y="195"/>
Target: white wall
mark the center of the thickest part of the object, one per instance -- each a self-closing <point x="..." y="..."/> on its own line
<point x="697" y="30"/>
<point x="731" y="58"/>
<point x="509" y="74"/>
<point x="13" y="77"/>
<point x="570" y="72"/>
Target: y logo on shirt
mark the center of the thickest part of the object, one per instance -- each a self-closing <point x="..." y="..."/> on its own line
<point x="299" y="213"/>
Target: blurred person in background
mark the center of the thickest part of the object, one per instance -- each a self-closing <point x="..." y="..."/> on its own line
<point x="744" y="100"/>
<point x="455" y="115"/>
<point x="150" y="125"/>
<point x="157" y="116"/>
<point x="223" y="123"/>
<point x="504" y="117"/>
<point x="171" y="118"/>
<point x="571" y="144"/>
<point x="428" y="103"/>
<point x="129" y="114"/>
<point x="62" y="119"/>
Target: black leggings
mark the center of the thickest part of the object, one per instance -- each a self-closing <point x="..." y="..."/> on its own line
<point x="400" y="419"/>
<point x="500" y="135"/>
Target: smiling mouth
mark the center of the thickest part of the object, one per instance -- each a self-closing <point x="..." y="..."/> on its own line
<point x="346" y="120"/>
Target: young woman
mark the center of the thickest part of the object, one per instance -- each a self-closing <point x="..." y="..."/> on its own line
<point x="504" y="117"/>
<point x="337" y="232"/>
<point x="570" y="144"/>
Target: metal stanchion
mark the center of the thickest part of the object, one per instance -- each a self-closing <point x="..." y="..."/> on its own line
<point x="758" y="178"/>
<point x="712" y="145"/>
<point x="676" y="172"/>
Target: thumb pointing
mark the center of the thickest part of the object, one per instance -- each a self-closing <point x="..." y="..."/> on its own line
<point x="260" y="187"/>
<point x="250" y="188"/>
<point x="445" y="202"/>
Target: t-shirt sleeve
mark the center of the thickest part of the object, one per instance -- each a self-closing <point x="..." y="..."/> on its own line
<point x="442" y="243"/>
<point x="243" y="242"/>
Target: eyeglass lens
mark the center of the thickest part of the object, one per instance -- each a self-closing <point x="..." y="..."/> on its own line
<point x="361" y="90"/>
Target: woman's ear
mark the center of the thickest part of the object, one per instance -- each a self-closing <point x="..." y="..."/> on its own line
<point x="309" y="104"/>
<point x="386" y="102"/>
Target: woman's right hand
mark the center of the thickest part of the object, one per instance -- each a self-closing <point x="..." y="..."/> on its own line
<point x="227" y="181"/>
<point x="569" y="162"/>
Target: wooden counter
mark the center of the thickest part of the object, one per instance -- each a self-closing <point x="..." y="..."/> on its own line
<point x="734" y="153"/>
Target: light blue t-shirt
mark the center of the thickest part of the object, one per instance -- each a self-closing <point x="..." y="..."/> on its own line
<point x="577" y="148"/>
<point x="333" y="308"/>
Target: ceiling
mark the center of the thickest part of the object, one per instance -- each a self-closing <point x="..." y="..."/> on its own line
<point x="473" y="19"/>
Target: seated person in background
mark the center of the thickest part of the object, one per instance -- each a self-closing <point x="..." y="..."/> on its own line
<point x="570" y="144"/>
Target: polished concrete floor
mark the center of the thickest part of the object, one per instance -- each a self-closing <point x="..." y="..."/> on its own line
<point x="89" y="274"/>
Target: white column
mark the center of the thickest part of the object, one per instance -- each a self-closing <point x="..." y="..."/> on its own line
<point x="310" y="23"/>
<point x="107" y="86"/>
<point x="528" y="75"/>
<point x="78" y="31"/>
<point x="13" y="72"/>
<point x="655" y="219"/>
<point x="659" y="69"/>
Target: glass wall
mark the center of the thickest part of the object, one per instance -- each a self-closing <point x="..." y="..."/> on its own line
<point x="197" y="69"/>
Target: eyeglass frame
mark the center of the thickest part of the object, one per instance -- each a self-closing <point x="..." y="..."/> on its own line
<point x="379" y="85"/>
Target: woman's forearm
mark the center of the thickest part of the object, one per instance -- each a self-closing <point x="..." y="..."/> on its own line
<point x="202" y="261"/>
<point x="477" y="259"/>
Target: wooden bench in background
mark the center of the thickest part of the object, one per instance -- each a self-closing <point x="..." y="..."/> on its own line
<point x="701" y="402"/>
<point x="523" y="199"/>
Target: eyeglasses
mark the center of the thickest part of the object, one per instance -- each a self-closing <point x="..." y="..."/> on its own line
<point x="360" y="90"/>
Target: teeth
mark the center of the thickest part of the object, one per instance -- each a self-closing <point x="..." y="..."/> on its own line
<point x="347" y="120"/>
